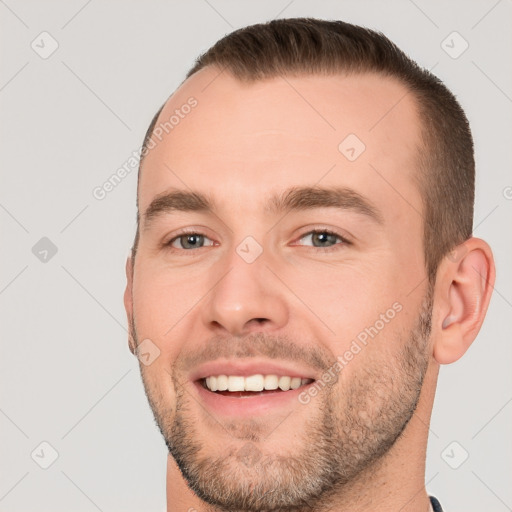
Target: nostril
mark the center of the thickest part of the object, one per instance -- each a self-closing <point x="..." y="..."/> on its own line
<point x="253" y="322"/>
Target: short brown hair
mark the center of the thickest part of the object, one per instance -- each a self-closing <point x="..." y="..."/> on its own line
<point x="308" y="46"/>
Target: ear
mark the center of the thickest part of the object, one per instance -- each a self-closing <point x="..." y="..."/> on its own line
<point x="464" y="284"/>
<point x="128" y="302"/>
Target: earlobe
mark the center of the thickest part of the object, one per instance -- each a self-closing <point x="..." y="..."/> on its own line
<point x="464" y="286"/>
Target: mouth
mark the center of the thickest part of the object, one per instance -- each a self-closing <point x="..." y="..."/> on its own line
<point x="250" y="396"/>
<point x="239" y="386"/>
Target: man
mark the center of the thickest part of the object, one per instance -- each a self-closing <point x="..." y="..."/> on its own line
<point x="303" y="264"/>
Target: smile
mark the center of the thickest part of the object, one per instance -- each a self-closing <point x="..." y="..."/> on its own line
<point x="252" y="384"/>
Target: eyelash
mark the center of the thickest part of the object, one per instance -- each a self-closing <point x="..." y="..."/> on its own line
<point x="334" y="247"/>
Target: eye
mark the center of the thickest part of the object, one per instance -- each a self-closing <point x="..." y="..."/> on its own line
<point x="318" y="239"/>
<point x="189" y="241"/>
<point x="324" y="239"/>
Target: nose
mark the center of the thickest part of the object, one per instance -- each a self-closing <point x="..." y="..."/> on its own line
<point x="245" y="297"/>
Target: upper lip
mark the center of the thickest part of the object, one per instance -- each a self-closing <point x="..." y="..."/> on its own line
<point x="253" y="367"/>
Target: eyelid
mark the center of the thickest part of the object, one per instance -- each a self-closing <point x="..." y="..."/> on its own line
<point x="186" y="231"/>
<point x="342" y="233"/>
<point x="344" y="238"/>
<point x="318" y="229"/>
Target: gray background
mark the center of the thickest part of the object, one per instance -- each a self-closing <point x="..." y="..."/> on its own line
<point x="70" y="120"/>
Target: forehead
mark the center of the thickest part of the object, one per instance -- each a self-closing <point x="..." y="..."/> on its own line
<point x="239" y="141"/>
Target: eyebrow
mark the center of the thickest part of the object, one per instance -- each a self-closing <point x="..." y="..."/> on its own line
<point x="292" y="199"/>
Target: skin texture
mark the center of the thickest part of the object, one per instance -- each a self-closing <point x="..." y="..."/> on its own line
<point x="359" y="445"/>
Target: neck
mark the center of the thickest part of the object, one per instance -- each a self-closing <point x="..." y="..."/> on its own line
<point x="395" y="482"/>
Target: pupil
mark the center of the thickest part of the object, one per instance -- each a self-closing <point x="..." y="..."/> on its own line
<point x="192" y="240"/>
<point x="323" y="237"/>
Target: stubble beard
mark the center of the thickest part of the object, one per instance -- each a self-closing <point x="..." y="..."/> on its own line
<point x="352" y="426"/>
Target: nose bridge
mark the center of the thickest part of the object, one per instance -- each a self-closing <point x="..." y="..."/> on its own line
<point x="245" y="294"/>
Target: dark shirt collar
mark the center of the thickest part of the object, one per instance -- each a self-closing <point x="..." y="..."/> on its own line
<point x="435" y="504"/>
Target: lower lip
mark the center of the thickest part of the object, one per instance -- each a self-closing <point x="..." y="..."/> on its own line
<point x="249" y="405"/>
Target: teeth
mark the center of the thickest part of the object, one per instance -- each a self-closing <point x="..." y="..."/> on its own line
<point x="256" y="382"/>
<point x="271" y="382"/>
<point x="284" y="383"/>
<point x="211" y="383"/>
<point x="235" y="383"/>
<point x="222" y="383"/>
<point x="295" y="383"/>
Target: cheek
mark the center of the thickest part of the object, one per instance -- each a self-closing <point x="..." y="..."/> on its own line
<point x="161" y="296"/>
<point x="363" y="308"/>
<point x="347" y="296"/>
<point x="161" y="300"/>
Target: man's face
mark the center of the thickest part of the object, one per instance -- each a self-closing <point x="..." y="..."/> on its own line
<point x="325" y="288"/>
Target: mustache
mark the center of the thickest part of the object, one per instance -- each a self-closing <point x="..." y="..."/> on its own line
<point x="259" y="344"/>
